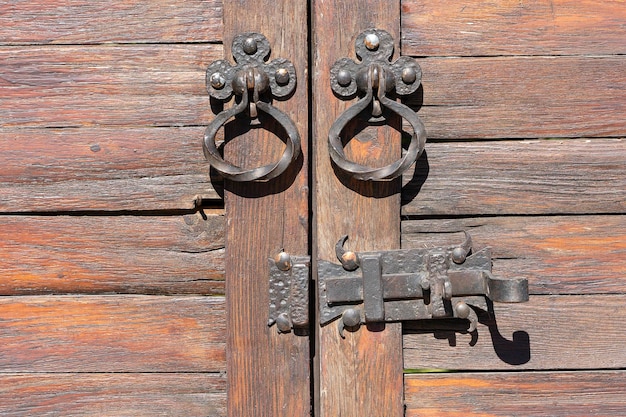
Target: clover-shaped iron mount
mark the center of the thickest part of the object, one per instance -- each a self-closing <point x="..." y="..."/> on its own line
<point x="250" y="78"/>
<point x="375" y="76"/>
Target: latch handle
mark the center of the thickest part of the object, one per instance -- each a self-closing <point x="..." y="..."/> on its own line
<point x="249" y="79"/>
<point x="374" y="77"/>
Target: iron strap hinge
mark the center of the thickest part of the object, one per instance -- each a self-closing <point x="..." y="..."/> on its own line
<point x="411" y="284"/>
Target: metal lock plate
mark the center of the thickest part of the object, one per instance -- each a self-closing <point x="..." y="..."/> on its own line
<point x="289" y="292"/>
<point x="411" y="284"/>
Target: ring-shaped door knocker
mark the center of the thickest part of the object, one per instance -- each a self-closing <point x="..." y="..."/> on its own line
<point x="375" y="76"/>
<point x="251" y="77"/>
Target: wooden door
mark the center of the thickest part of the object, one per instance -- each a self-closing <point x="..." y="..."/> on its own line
<point x="116" y="238"/>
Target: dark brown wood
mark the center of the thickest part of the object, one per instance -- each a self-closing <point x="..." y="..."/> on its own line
<point x="268" y="372"/>
<point x="554" y="394"/>
<point x="534" y="27"/>
<point x="361" y="374"/>
<point x="128" y="85"/>
<point x="84" y="21"/>
<point x="523" y="97"/>
<point x="150" y="394"/>
<point x="518" y="177"/>
<point x="112" y="334"/>
<point x="121" y="254"/>
<point x="548" y="332"/>
<point x="559" y="254"/>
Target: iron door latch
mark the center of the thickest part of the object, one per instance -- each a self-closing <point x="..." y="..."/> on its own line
<point x="389" y="286"/>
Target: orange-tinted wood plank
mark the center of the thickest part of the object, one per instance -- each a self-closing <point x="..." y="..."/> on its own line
<point x="518" y="177"/>
<point x="121" y="254"/>
<point x="105" y="85"/>
<point x="112" y="334"/>
<point x="554" y="394"/>
<point x="115" y="394"/>
<point x="533" y="27"/>
<point x="560" y="254"/>
<point x="103" y="169"/>
<point x="548" y="332"/>
<point x="120" y="21"/>
<point x="523" y="97"/>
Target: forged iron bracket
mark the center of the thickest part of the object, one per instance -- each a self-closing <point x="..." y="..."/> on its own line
<point x="411" y="284"/>
<point x="289" y="292"/>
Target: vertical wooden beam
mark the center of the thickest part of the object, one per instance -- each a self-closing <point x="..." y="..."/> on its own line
<point x="268" y="372"/>
<point x="360" y="375"/>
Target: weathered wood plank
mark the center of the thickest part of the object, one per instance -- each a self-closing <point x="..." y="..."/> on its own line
<point x="117" y="254"/>
<point x="152" y="394"/>
<point x="554" y="394"/>
<point x="518" y="177"/>
<point x="560" y="254"/>
<point x="268" y="372"/>
<point x="105" y="85"/>
<point x="548" y="332"/>
<point x="534" y="27"/>
<point x="361" y="374"/>
<point x="112" y="334"/>
<point x="103" y="169"/>
<point x="463" y="97"/>
<point x="120" y="21"/>
<point x="523" y="97"/>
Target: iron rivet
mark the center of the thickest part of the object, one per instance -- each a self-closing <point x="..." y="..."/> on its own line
<point x="349" y="260"/>
<point x="409" y="75"/>
<point x="371" y="41"/>
<point x="462" y="310"/>
<point x="283" y="323"/>
<point x="249" y="46"/>
<point x="351" y="317"/>
<point x="459" y="255"/>
<point x="282" y="76"/>
<point x="283" y="261"/>
<point x="344" y="78"/>
<point x="217" y="81"/>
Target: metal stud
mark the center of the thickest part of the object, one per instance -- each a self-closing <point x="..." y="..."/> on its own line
<point x="282" y="76"/>
<point x="283" y="323"/>
<point x="344" y="78"/>
<point x="372" y="41"/>
<point x="217" y="81"/>
<point x="409" y="75"/>
<point x="250" y="46"/>
<point x="459" y="255"/>
<point x="283" y="261"/>
<point x="462" y="310"/>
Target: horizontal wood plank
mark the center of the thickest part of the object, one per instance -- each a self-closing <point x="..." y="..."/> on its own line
<point x="463" y="97"/>
<point x="548" y="332"/>
<point x="532" y="27"/>
<point x="523" y="97"/>
<point x="547" y="394"/>
<point x="112" y="334"/>
<point x="120" y="21"/>
<point x="103" y="169"/>
<point x="153" y="394"/>
<point x="518" y="177"/>
<point x="558" y="255"/>
<point x="112" y="254"/>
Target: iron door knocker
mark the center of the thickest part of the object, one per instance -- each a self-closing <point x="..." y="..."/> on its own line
<point x="251" y="77"/>
<point x="375" y="76"/>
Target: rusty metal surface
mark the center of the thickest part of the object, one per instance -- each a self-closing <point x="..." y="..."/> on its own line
<point x="289" y="293"/>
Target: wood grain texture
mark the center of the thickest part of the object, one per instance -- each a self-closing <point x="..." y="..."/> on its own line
<point x="534" y="27"/>
<point x="549" y="333"/>
<point x="112" y="334"/>
<point x="361" y="374"/>
<point x="558" y="255"/>
<point x="523" y="97"/>
<point x="518" y="177"/>
<point x="85" y="394"/>
<point x="117" y="254"/>
<point x="130" y="85"/>
<point x="268" y="372"/>
<point x="554" y="394"/>
<point x="119" y="21"/>
<point x="142" y="169"/>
